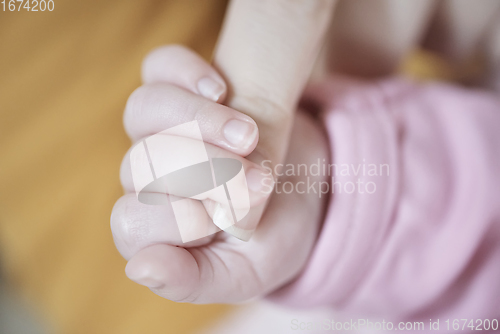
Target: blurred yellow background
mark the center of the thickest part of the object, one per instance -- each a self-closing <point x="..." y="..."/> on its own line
<point x="65" y="76"/>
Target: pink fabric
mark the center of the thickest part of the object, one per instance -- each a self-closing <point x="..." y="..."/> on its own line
<point x="426" y="243"/>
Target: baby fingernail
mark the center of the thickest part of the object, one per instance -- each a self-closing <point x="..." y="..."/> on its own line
<point x="210" y="88"/>
<point x="259" y="181"/>
<point x="143" y="276"/>
<point x="240" y="133"/>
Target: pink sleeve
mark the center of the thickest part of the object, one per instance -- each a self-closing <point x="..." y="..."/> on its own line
<point x="420" y="236"/>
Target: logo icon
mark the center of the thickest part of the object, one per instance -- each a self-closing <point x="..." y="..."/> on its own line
<point x="206" y="194"/>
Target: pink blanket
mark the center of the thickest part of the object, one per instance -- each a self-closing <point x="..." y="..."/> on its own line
<point x="421" y="238"/>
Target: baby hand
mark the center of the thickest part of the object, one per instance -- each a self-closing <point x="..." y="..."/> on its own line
<point x="217" y="268"/>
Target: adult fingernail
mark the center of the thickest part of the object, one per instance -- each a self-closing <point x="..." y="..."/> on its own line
<point x="240" y="133"/>
<point x="210" y="88"/>
<point x="259" y="181"/>
<point x="144" y="275"/>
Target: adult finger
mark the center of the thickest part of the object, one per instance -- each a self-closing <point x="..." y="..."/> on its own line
<point x="267" y="66"/>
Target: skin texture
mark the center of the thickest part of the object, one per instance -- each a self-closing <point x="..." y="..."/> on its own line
<point x="277" y="41"/>
<point x="218" y="268"/>
<point x="262" y="62"/>
<point x="221" y="268"/>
